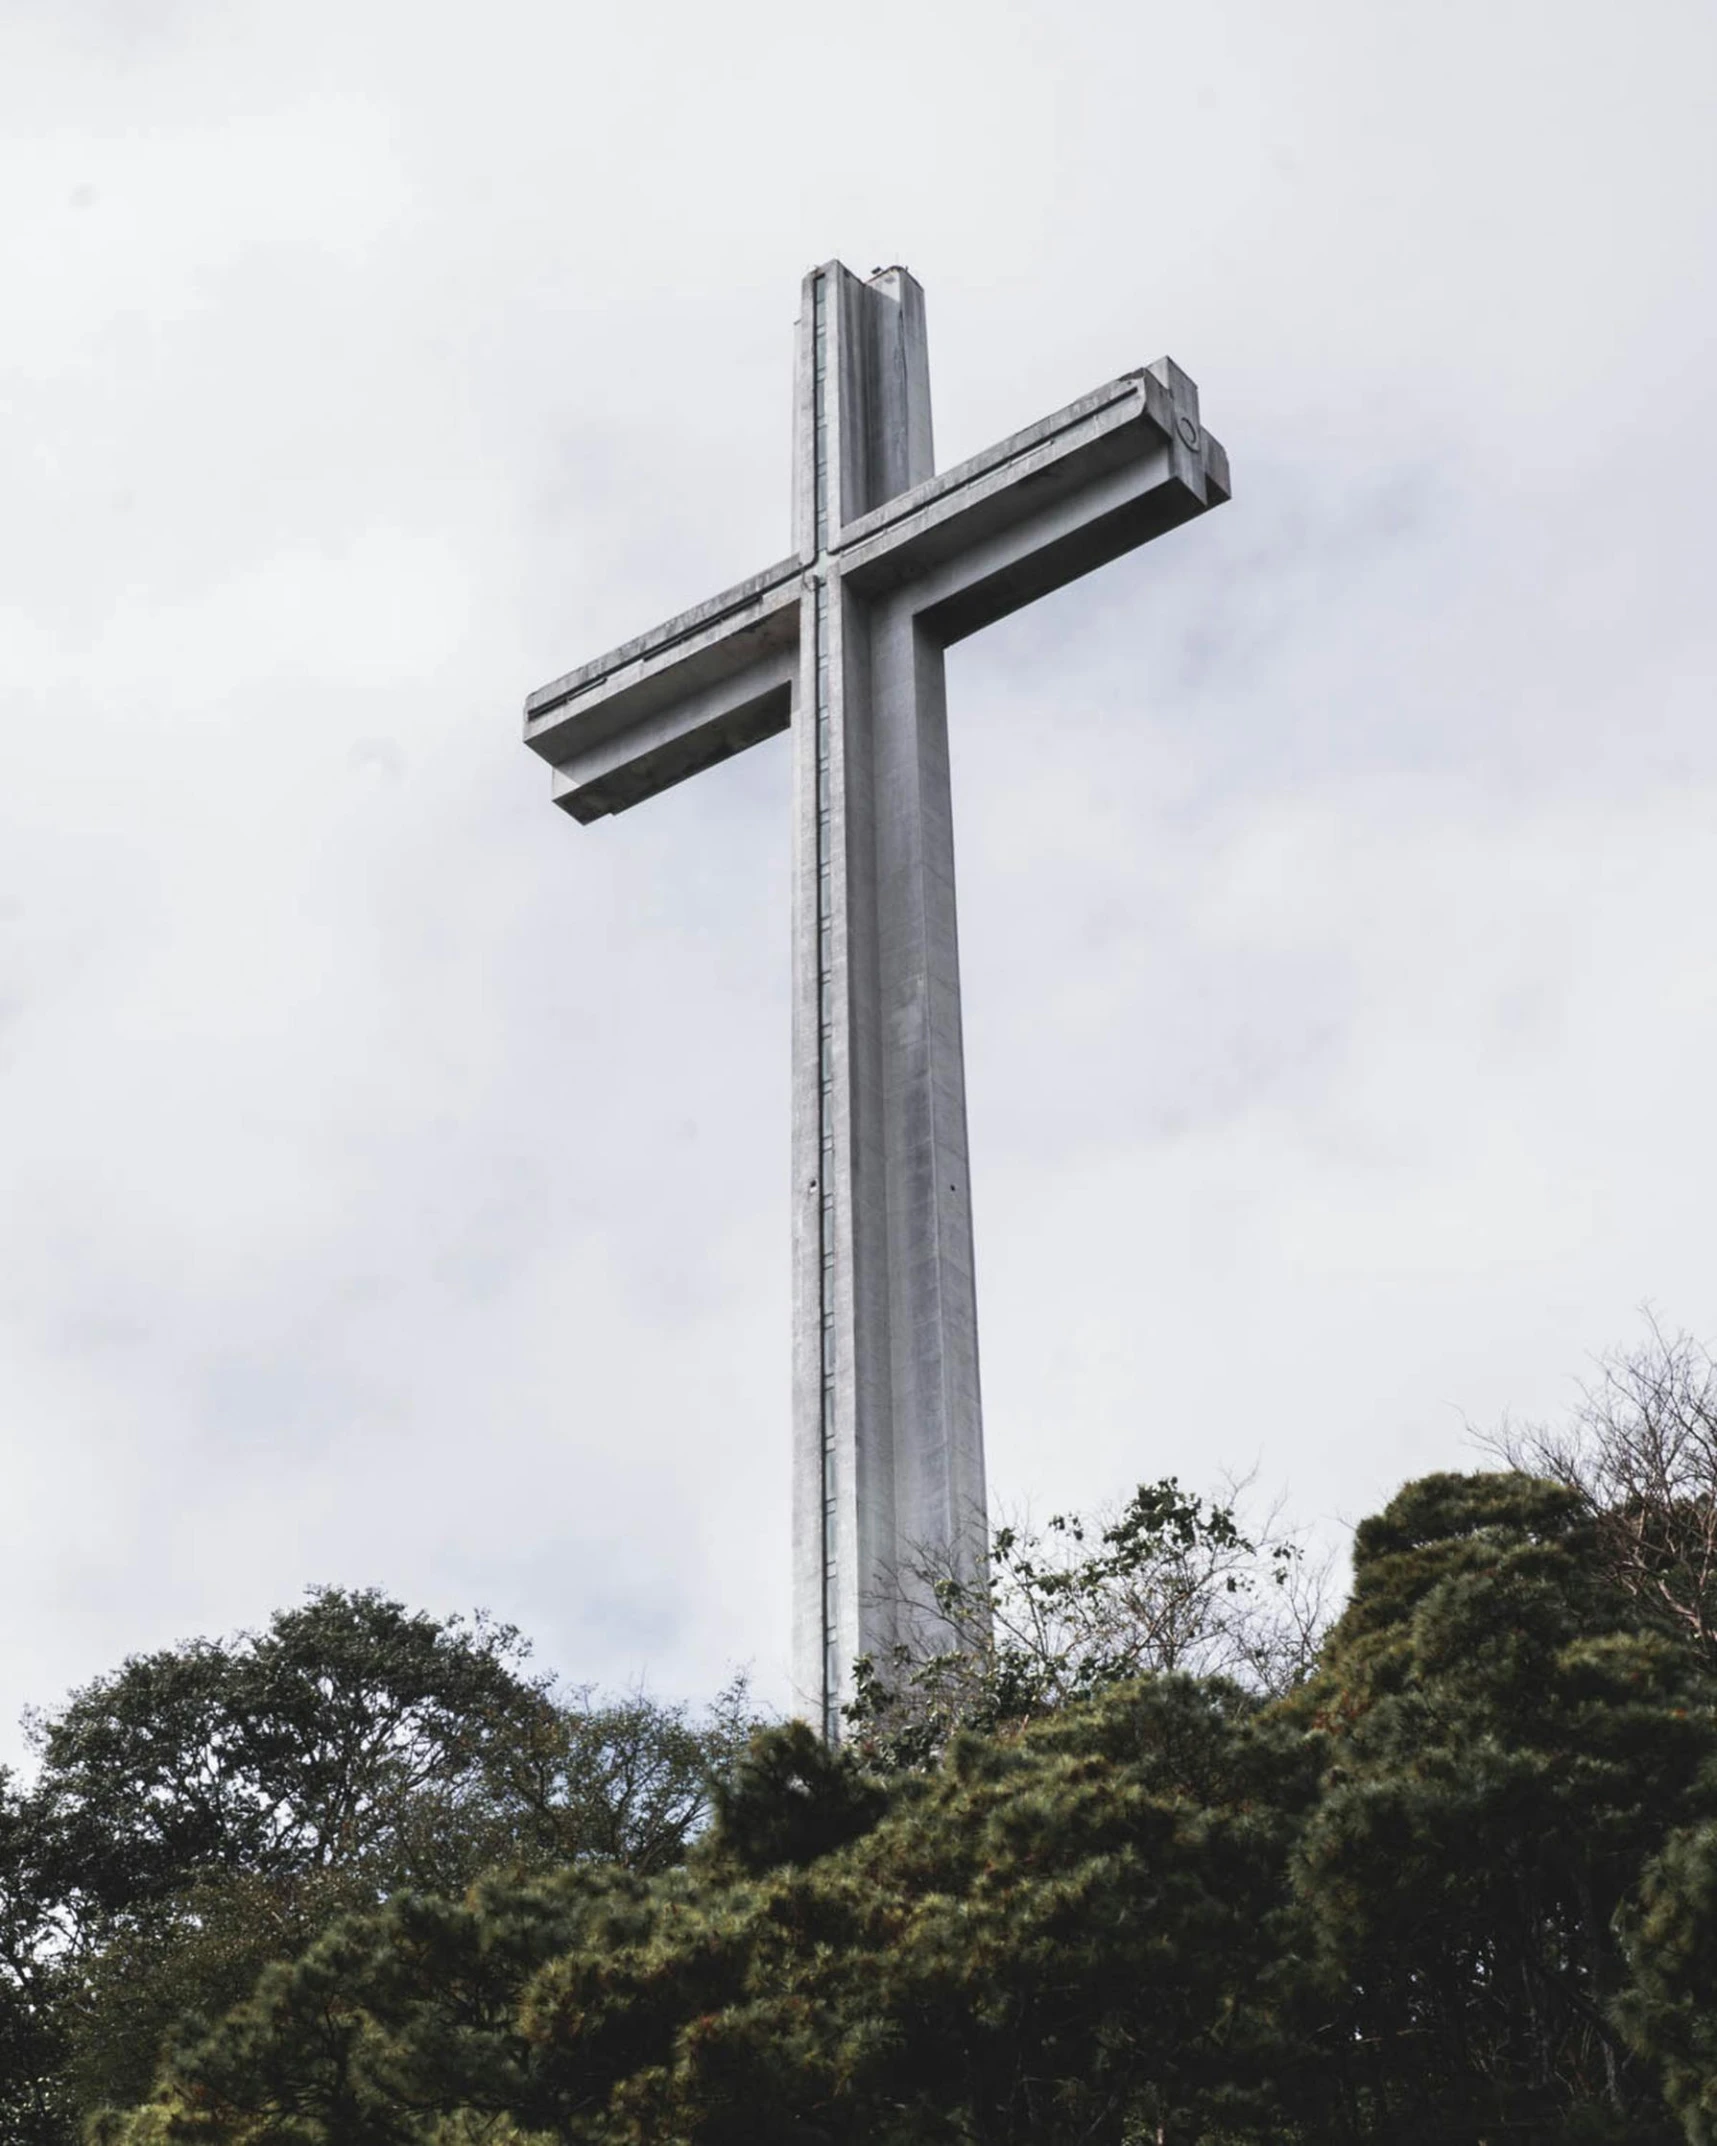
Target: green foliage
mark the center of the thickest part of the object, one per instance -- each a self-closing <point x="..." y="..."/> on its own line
<point x="35" y="2106"/>
<point x="1057" y="1615"/>
<point x="185" y="1954"/>
<point x="628" y="1782"/>
<point x="1670" y="2013"/>
<point x="1382" y="1908"/>
<point x="350" y="1733"/>
<point x="1438" y="1511"/>
<point x="1508" y="1748"/>
<point x="1049" y="1940"/>
<point x="361" y="1882"/>
<point x="789" y="1800"/>
<point x="210" y="1809"/>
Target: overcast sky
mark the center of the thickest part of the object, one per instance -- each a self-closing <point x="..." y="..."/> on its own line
<point x="394" y="1176"/>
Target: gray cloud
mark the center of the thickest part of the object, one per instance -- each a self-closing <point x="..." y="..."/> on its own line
<point x="394" y="1178"/>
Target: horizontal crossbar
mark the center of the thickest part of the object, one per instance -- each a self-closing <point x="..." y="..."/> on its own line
<point x="1102" y="476"/>
<point x="1038" y="509"/>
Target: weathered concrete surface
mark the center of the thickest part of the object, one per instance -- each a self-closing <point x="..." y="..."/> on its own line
<point x="844" y="641"/>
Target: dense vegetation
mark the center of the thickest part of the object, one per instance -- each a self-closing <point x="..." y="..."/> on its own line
<point x="1445" y="1872"/>
<point x="216" y="1806"/>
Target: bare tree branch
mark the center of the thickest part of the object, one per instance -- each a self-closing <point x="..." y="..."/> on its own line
<point x="1166" y="1581"/>
<point x="1640" y="1451"/>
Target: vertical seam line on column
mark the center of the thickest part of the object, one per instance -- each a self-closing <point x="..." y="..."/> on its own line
<point x="823" y="776"/>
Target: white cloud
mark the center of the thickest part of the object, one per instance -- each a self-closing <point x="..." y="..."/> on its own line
<point x="394" y="1185"/>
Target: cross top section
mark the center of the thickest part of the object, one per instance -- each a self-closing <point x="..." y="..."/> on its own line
<point x="602" y="728"/>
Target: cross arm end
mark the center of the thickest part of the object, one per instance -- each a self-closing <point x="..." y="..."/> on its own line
<point x="694" y="691"/>
<point x="691" y="650"/>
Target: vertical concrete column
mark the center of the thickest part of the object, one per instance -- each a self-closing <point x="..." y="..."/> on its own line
<point x="939" y="1491"/>
<point x="840" y="1414"/>
<point x="887" y="1429"/>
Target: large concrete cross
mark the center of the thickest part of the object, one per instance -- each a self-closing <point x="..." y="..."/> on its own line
<point x="842" y="642"/>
